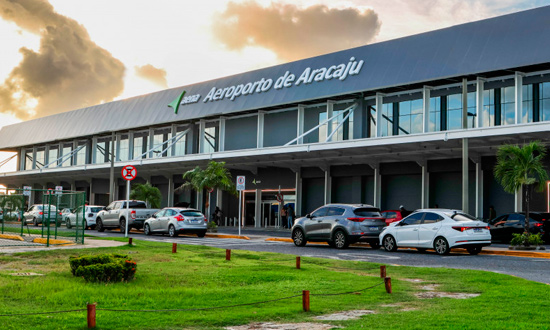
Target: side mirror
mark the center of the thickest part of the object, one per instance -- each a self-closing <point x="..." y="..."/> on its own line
<point x="308" y="216"/>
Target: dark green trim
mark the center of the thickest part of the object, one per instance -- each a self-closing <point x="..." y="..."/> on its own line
<point x="536" y="102"/>
<point x="498" y="107"/>
<point x="395" y="126"/>
<point x="443" y="113"/>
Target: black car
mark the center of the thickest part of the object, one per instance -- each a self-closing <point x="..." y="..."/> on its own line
<point x="505" y="225"/>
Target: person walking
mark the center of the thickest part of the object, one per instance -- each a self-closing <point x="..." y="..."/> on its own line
<point x="290" y="216"/>
<point x="283" y="216"/>
<point x="218" y="214"/>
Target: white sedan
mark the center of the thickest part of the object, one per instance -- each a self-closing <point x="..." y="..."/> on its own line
<point x="89" y="213"/>
<point x="176" y="220"/>
<point x="439" y="229"/>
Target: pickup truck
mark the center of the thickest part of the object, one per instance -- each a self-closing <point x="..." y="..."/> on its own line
<point x="115" y="215"/>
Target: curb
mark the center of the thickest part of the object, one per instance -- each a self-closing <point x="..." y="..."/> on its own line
<point x="14" y="237"/>
<point x="52" y="241"/>
<point x="512" y="253"/>
<point x="227" y="236"/>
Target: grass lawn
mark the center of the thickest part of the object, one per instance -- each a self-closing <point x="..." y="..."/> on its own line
<point x="198" y="277"/>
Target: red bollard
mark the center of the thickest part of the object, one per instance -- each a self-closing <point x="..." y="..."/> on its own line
<point x="174" y="247"/>
<point x="305" y="300"/>
<point x="227" y="254"/>
<point x="91" y="316"/>
<point x="387" y="282"/>
<point x="297" y="262"/>
<point x="130" y="241"/>
<point x="382" y="271"/>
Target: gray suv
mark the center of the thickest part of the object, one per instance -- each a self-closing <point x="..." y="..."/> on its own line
<point x="340" y="225"/>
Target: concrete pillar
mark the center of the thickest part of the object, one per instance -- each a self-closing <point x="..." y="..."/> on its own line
<point x="219" y="198"/>
<point x="170" y="194"/>
<point x="425" y="193"/>
<point x="328" y="186"/>
<point x="22" y="160"/>
<point x="479" y="190"/>
<point x="480" y="82"/>
<point x="377" y="186"/>
<point x="300" y="125"/>
<point x="518" y="84"/>
<point x="258" y="209"/>
<point x="221" y="138"/>
<point x="33" y="158"/>
<point x="94" y="147"/>
<point x="92" y="194"/>
<point x="151" y="143"/>
<point x="199" y="203"/>
<point x="465" y="176"/>
<point x="260" y="135"/>
<point x="360" y="119"/>
<point x="202" y="129"/>
<point x="298" y="204"/>
<point x="330" y="113"/>
<point x="131" y="155"/>
<point x="379" y="105"/>
<point x="173" y="132"/>
<point x="426" y="108"/>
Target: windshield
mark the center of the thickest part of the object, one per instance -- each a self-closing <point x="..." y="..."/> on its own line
<point x="462" y="217"/>
<point x="47" y="207"/>
<point x="191" y="213"/>
<point x="95" y="209"/>
<point x="135" y="205"/>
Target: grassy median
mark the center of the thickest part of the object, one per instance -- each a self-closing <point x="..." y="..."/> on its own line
<point x="199" y="277"/>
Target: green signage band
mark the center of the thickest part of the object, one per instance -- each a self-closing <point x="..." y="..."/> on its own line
<point x="176" y="103"/>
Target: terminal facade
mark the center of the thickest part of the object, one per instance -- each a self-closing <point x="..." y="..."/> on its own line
<point x="414" y="121"/>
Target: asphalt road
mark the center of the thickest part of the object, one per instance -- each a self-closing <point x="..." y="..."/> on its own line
<point x="533" y="269"/>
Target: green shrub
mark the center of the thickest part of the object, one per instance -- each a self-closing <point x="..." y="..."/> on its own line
<point x="103" y="268"/>
<point x="526" y="240"/>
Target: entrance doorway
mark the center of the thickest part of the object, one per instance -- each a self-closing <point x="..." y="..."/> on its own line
<point x="269" y="208"/>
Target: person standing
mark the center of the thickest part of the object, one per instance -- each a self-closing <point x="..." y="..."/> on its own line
<point x="290" y="216"/>
<point x="218" y="214"/>
<point x="492" y="213"/>
<point x="283" y="216"/>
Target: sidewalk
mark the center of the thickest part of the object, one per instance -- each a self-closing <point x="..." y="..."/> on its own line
<point x="283" y="235"/>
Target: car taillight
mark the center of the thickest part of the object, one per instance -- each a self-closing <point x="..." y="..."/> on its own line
<point x="205" y="220"/>
<point x="466" y="228"/>
<point x="133" y="215"/>
<point x="40" y="213"/>
<point x="59" y="213"/>
<point x="538" y="224"/>
<point x="90" y="215"/>
<point x="357" y="219"/>
<point x="180" y="217"/>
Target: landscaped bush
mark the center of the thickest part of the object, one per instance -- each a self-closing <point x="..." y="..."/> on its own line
<point x="103" y="268"/>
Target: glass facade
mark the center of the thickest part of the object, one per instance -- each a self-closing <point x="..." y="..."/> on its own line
<point x="434" y="118"/>
<point x="40" y="157"/>
<point x="53" y="154"/>
<point x="81" y="154"/>
<point x="507" y="105"/>
<point x="344" y="132"/>
<point x="180" y="146"/>
<point x="527" y="109"/>
<point x="28" y="159"/>
<point x="103" y="151"/>
<point x="67" y="149"/>
<point x="386" y="127"/>
<point x="210" y="143"/>
<point x="410" y="117"/>
<point x="544" y="102"/>
<point x="488" y="114"/>
<point x="140" y="145"/>
<point x="123" y="148"/>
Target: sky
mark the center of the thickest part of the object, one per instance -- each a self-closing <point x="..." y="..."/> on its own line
<point x="61" y="55"/>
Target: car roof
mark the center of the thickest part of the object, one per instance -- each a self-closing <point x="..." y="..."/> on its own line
<point x="351" y="205"/>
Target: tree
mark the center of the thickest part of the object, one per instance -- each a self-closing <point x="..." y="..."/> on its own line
<point x="522" y="168"/>
<point x="214" y="176"/>
<point x="146" y="192"/>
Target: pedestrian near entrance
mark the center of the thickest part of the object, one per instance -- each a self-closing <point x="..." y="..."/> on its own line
<point x="284" y="216"/>
<point x="290" y="216"/>
<point x="492" y="213"/>
<point x="218" y="214"/>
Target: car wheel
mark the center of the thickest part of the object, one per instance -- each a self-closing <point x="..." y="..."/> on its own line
<point x="441" y="246"/>
<point x="389" y="244"/>
<point x="123" y="226"/>
<point x="340" y="240"/>
<point x="298" y="237"/>
<point x="422" y="250"/>
<point x="201" y="234"/>
<point x="474" y="250"/>
<point x="147" y="229"/>
<point x="374" y="245"/>
<point x="172" y="231"/>
<point x="68" y="224"/>
<point x="35" y="222"/>
<point x="99" y="225"/>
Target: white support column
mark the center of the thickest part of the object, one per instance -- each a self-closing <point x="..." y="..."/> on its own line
<point x="479" y="190"/>
<point x="426" y="108"/>
<point x="33" y="157"/>
<point x="377" y="186"/>
<point x="425" y="193"/>
<point x="22" y="160"/>
<point x="518" y="205"/>
<point x="480" y="82"/>
<point x="219" y="199"/>
<point x="518" y="83"/>
<point x="465" y="177"/>
<point x="260" y="134"/>
<point x="258" y="209"/>
<point x="170" y="200"/>
<point x="328" y="186"/>
<point x="202" y="129"/>
<point x="173" y="132"/>
<point x="298" y="204"/>
<point x="379" y="105"/>
<point x="115" y="147"/>
<point x="92" y="195"/>
<point x="47" y="155"/>
<point x="151" y="143"/>
<point x="330" y="113"/>
<point x="300" y="123"/>
<point x="221" y="138"/>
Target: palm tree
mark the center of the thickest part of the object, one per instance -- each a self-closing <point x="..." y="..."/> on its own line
<point x="521" y="167"/>
<point x="146" y="192"/>
<point x="214" y="176"/>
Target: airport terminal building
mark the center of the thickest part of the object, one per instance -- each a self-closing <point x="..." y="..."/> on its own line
<point x="414" y="121"/>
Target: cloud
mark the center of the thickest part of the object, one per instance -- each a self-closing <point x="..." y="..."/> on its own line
<point x="149" y="72"/>
<point x="69" y="71"/>
<point x="292" y="32"/>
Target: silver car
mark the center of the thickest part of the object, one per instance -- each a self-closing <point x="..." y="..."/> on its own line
<point x="340" y="225"/>
<point x="176" y="220"/>
<point x="39" y="213"/>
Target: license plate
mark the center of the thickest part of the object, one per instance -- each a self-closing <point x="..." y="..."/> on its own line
<point x="373" y="228"/>
<point x="477" y="230"/>
<point x="194" y="221"/>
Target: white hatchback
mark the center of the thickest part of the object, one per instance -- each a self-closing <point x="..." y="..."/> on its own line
<point x="438" y="229"/>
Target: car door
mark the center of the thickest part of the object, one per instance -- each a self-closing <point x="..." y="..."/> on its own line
<point x="165" y="220"/>
<point x="429" y="227"/>
<point x="314" y="222"/>
<point x="514" y="225"/>
<point x="406" y="230"/>
<point x="497" y="228"/>
<point x="154" y="223"/>
<point x="28" y="215"/>
<point x="334" y="215"/>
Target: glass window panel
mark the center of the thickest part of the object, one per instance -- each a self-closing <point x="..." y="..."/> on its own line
<point x="28" y="159"/>
<point x="140" y="146"/>
<point x="454" y="119"/>
<point x="416" y="123"/>
<point x="434" y="124"/>
<point x="124" y="146"/>
<point x="81" y="156"/>
<point x="158" y="140"/>
<point x="545" y="110"/>
<point x="210" y="143"/>
<point x="67" y="149"/>
<point x="40" y="158"/>
<point x="416" y="107"/>
<point x="53" y="154"/>
<point x="545" y="90"/>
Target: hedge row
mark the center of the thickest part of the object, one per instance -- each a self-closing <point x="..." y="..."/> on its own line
<point x="103" y="268"/>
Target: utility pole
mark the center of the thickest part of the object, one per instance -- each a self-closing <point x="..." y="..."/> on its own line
<point x="112" y="174"/>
